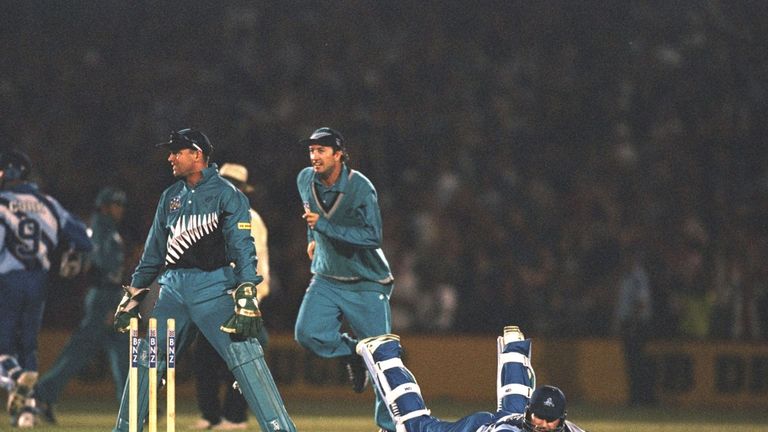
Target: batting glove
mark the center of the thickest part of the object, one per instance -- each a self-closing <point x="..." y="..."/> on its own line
<point x="246" y="321"/>
<point x="128" y="307"/>
<point x="71" y="264"/>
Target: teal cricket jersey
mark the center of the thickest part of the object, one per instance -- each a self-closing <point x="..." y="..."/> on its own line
<point x="348" y="234"/>
<point x="194" y="225"/>
<point x="106" y="271"/>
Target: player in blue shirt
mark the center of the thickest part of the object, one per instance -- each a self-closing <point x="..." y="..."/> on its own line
<point x="518" y="407"/>
<point x="33" y="226"/>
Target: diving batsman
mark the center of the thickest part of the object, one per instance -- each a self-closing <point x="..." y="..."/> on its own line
<point x="201" y="237"/>
<point x="519" y="408"/>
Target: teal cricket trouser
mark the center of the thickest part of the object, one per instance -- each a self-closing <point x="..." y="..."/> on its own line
<point x="193" y="298"/>
<point x="361" y="304"/>
<point x="94" y="334"/>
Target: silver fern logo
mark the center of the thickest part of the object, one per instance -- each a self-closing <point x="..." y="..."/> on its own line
<point x="187" y="231"/>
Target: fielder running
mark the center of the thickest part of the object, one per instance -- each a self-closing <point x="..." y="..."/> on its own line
<point x="351" y="278"/>
<point x="32" y="226"/>
<point x="201" y="235"/>
<point x="519" y="408"/>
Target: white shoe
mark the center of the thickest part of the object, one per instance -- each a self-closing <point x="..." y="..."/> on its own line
<point x="21" y="396"/>
<point x="372" y="343"/>
<point x="26" y="420"/>
<point x="228" y="425"/>
<point x="201" y="424"/>
<point x="513" y="334"/>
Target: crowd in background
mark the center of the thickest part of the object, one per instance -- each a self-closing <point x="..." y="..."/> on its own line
<point x="520" y="150"/>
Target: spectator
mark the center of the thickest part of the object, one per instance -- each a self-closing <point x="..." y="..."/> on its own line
<point x="633" y="321"/>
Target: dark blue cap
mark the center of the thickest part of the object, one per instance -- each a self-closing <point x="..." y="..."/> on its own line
<point x="325" y="136"/>
<point x="188" y="139"/>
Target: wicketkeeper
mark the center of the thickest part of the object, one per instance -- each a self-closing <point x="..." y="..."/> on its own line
<point x="201" y="235"/>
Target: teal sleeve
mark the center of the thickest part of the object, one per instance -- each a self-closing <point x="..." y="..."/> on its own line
<point x="112" y="266"/>
<point x="304" y="185"/>
<point x="237" y="236"/>
<point x="153" y="257"/>
<point x="107" y="255"/>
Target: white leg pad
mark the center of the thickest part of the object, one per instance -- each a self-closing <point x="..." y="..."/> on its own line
<point x="398" y="391"/>
<point x="517" y="389"/>
<point x="9" y="372"/>
<point x="414" y="414"/>
<point x="389" y="364"/>
<point x="503" y="358"/>
<point x="389" y="394"/>
<point x="514" y="358"/>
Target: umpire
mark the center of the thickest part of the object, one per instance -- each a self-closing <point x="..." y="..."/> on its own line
<point x="95" y="330"/>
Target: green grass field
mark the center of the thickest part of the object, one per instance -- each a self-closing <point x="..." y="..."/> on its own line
<point x="329" y="416"/>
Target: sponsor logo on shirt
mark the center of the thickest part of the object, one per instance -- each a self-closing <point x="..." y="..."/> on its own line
<point x="175" y="203"/>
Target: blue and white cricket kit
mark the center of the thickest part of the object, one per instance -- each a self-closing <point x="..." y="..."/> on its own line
<point x="515" y="382"/>
<point x="32" y="226"/>
<point x="383" y="358"/>
<point x="352" y="277"/>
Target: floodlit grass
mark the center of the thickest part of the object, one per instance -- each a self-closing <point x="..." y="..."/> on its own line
<point x="343" y="416"/>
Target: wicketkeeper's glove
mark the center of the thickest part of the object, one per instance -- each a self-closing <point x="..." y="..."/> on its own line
<point x="246" y="321"/>
<point x="128" y="307"/>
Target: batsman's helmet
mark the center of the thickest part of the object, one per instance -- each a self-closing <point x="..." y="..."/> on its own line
<point x="14" y="165"/>
<point x="548" y="403"/>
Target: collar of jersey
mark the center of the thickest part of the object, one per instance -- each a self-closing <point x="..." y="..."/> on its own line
<point x="340" y="184"/>
<point x="209" y="172"/>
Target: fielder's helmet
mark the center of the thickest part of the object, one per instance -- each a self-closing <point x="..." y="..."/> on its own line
<point x="14" y="165"/>
<point x="548" y="403"/>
